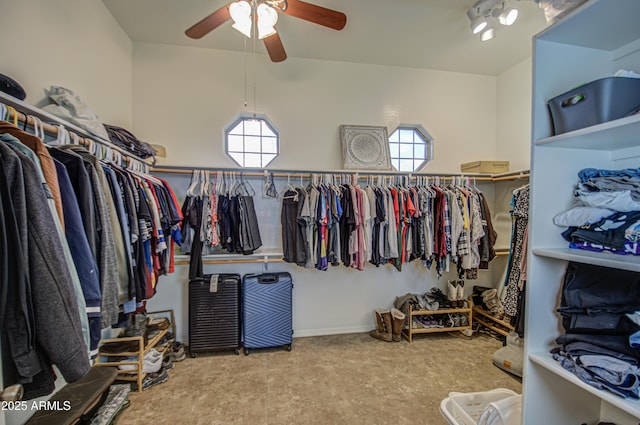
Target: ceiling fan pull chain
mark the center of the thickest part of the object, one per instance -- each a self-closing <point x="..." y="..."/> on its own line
<point x="254" y="72"/>
<point x="244" y="65"/>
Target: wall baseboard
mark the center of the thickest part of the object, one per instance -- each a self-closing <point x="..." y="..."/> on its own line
<point x="330" y="331"/>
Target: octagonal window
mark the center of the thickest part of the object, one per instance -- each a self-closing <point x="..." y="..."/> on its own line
<point x="411" y="147"/>
<point x="252" y="141"/>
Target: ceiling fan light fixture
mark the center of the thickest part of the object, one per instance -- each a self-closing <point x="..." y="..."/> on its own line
<point x="240" y="12"/>
<point x="243" y="27"/>
<point x="267" y="19"/>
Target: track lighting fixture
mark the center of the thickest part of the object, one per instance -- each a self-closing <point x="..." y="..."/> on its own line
<point x="484" y="12"/>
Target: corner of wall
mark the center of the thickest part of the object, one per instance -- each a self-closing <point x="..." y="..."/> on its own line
<point x="513" y="117"/>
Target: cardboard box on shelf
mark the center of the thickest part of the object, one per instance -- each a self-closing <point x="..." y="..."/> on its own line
<point x="488" y="167"/>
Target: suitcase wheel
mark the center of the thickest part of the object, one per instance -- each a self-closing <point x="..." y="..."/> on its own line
<point x="246" y="351"/>
<point x="237" y="351"/>
<point x="289" y="347"/>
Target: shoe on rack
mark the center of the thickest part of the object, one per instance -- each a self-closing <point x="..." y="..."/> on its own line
<point x="166" y="341"/>
<point x="167" y="362"/>
<point x="442" y="299"/>
<point x="460" y="295"/>
<point x="178" y="353"/>
<point x="152" y="362"/>
<point x="431" y="322"/>
<point x="423" y="321"/>
<point x="430" y="301"/>
<point x="153" y="354"/>
<point x="137" y="326"/>
<point x="493" y="303"/>
<point x="153" y="379"/>
<point x="160" y="323"/>
<point x="452" y="293"/>
<point x="117" y="347"/>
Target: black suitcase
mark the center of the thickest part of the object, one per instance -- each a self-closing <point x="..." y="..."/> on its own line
<point x="214" y="313"/>
<point x="266" y="311"/>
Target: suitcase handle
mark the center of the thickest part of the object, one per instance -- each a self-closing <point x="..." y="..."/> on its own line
<point x="573" y="100"/>
<point x="268" y="278"/>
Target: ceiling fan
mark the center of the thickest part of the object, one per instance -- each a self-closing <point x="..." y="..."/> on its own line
<point x="263" y="15"/>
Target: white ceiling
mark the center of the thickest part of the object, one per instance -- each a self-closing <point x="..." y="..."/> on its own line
<point x="430" y="34"/>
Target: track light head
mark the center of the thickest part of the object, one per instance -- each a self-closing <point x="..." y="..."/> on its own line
<point x="484" y="11"/>
<point x="478" y="24"/>
<point x="506" y="15"/>
<point x="488" y="34"/>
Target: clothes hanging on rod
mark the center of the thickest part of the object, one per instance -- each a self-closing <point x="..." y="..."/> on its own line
<point x="517" y="263"/>
<point x="58" y="131"/>
<point x="65" y="283"/>
<point x="218" y="216"/>
<point x="391" y="222"/>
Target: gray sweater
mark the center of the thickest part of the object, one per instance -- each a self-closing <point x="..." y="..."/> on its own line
<point x="57" y="319"/>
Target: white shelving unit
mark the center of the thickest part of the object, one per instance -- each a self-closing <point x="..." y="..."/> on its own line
<point x="593" y="42"/>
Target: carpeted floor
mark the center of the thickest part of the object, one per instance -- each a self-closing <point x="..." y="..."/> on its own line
<point x="341" y="379"/>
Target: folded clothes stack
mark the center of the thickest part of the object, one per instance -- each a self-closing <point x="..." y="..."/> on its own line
<point x="606" y="216"/>
<point x="600" y="313"/>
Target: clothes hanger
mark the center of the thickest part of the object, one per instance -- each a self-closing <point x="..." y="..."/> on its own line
<point x="219" y="183"/>
<point x="75" y="139"/>
<point x="63" y="137"/>
<point x="234" y="184"/>
<point x="241" y="190"/>
<point x="289" y="185"/>
<point x="244" y="187"/>
<point x="269" y="187"/>
<point x="12" y="112"/>
<point x="203" y="184"/>
<point x="206" y="184"/>
<point x="193" y="183"/>
<point x="38" y="126"/>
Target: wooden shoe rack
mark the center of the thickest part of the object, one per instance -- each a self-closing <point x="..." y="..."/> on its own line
<point x="135" y="375"/>
<point x="409" y="330"/>
<point x="483" y="317"/>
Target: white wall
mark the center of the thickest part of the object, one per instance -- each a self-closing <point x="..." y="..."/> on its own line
<point x="76" y="44"/>
<point x="513" y="142"/>
<point x="183" y="98"/>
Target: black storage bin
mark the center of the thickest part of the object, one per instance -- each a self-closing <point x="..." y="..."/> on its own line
<point x="214" y="313"/>
<point x="594" y="103"/>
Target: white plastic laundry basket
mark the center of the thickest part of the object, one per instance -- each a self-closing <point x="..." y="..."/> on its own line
<point x="466" y="408"/>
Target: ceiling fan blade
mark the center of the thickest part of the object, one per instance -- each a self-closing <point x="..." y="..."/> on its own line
<point x="275" y="48"/>
<point x="208" y="24"/>
<point x="316" y="14"/>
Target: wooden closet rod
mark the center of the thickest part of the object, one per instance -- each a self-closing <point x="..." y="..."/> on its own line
<point x="16" y="110"/>
<point x="206" y="260"/>
<point x="305" y="174"/>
